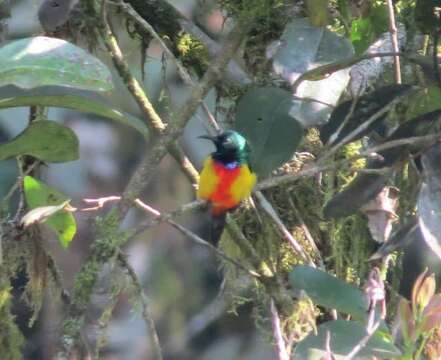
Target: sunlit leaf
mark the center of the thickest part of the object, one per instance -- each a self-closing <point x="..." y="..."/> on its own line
<point x="37" y="195"/>
<point x="262" y="117"/>
<point x="44" y="140"/>
<point x="319" y="46"/>
<point x="40" y="60"/>
<point x="81" y="100"/>
<point x="344" y="336"/>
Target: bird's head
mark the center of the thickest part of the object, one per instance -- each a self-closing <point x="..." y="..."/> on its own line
<point x="230" y="147"/>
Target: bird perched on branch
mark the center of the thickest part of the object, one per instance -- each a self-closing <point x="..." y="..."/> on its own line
<point x="226" y="178"/>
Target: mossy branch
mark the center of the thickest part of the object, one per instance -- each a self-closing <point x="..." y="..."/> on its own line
<point x="155" y="123"/>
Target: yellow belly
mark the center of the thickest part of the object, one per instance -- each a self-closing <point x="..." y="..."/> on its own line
<point x="225" y="188"/>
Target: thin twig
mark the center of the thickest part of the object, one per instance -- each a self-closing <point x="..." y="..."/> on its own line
<point x="133" y="85"/>
<point x="374" y="290"/>
<point x="281" y="351"/>
<point x="211" y="119"/>
<point x="363" y="342"/>
<point x="348" y="138"/>
<point x="136" y="90"/>
<point x="268" y="208"/>
<point x="133" y="14"/>
<point x="310" y="99"/>
<point x="145" y="302"/>
<point x="394" y="40"/>
<point x="325" y="70"/>
<point x="348" y="116"/>
<point x="306" y="231"/>
<point x="19" y="180"/>
<point x="195" y="238"/>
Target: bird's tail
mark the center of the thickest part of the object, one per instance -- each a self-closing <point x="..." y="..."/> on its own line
<point x="217" y="227"/>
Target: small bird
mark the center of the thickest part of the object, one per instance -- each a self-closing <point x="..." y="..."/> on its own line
<point x="226" y="177"/>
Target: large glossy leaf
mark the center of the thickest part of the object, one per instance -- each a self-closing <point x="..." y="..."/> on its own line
<point x="329" y="291"/>
<point x="44" y="140"/>
<point x="429" y="200"/>
<point x="40" y="60"/>
<point x="57" y="96"/>
<point x="40" y="195"/>
<point x="338" y="127"/>
<point x="344" y="336"/>
<point x="262" y="117"/>
<point x="302" y="48"/>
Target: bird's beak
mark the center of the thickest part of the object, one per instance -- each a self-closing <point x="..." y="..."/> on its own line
<point x="208" y="137"/>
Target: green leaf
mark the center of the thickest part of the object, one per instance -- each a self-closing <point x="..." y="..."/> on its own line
<point x="44" y="140"/>
<point x="263" y="118"/>
<point x="38" y="194"/>
<point x="39" y="61"/>
<point x="365" y="30"/>
<point x="329" y="291"/>
<point x="319" y="46"/>
<point x="362" y="34"/>
<point x="344" y="336"/>
<point x="57" y="96"/>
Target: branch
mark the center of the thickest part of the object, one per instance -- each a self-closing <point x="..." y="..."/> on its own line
<point x="282" y="354"/>
<point x="197" y="239"/>
<point x="374" y="290"/>
<point x="323" y="71"/>
<point x="133" y="14"/>
<point x="155" y="122"/>
<point x="394" y="40"/>
<point x="268" y="208"/>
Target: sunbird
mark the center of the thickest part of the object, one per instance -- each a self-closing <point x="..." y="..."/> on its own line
<point x="226" y="177"/>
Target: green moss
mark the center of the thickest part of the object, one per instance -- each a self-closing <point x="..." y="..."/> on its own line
<point x="11" y="339"/>
<point x="193" y="53"/>
<point x="251" y="8"/>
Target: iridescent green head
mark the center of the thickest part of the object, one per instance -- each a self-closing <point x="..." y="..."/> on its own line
<point x="230" y="147"/>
